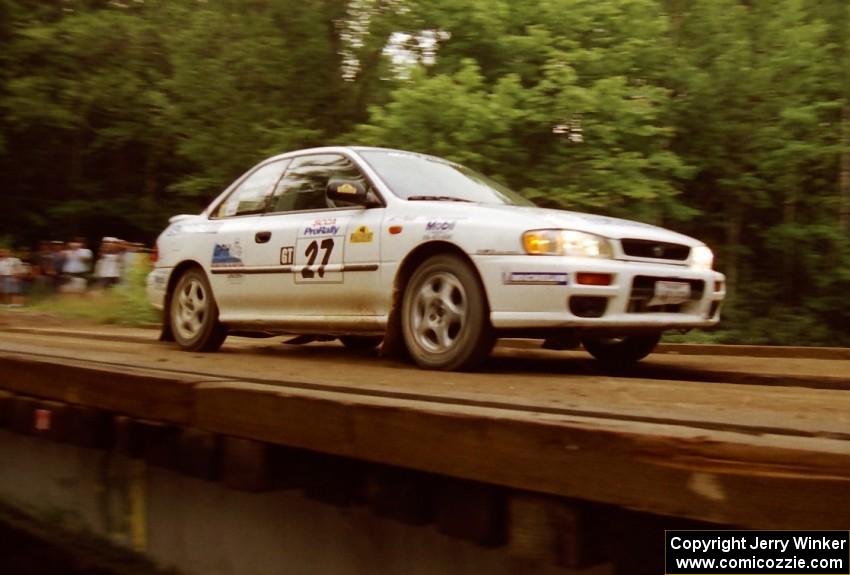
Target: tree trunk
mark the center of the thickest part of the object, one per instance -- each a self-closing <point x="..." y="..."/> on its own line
<point x="844" y="175"/>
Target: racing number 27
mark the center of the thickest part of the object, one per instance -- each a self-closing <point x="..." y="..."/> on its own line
<point x="312" y="252"/>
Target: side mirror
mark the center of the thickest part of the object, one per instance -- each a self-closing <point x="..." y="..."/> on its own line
<point x="347" y="191"/>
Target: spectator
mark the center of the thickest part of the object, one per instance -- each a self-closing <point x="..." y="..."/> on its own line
<point x="57" y="250"/>
<point x="108" y="267"/>
<point x="10" y="270"/>
<point x="77" y="265"/>
<point x="27" y="275"/>
<point x="130" y="258"/>
<point x="44" y="271"/>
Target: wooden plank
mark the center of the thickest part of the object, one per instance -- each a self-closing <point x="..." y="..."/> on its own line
<point x="537" y="382"/>
<point x="723" y="477"/>
<point x="766" y="479"/>
<point x="132" y="391"/>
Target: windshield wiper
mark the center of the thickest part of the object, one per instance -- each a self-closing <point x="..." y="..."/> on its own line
<point x="437" y="199"/>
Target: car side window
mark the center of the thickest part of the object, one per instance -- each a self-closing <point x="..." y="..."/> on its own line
<point x="303" y="186"/>
<point x="253" y="194"/>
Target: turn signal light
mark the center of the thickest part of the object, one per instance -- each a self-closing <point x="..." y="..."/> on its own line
<point x="591" y="279"/>
<point x="718" y="286"/>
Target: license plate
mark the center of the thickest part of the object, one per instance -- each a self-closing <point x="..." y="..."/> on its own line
<point x="670" y="293"/>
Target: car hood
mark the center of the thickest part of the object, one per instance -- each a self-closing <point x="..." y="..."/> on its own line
<point x="540" y="218"/>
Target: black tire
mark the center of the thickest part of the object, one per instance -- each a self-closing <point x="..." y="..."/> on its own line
<point x="621" y="351"/>
<point x="445" y="318"/>
<point x="193" y="313"/>
<point x="360" y="342"/>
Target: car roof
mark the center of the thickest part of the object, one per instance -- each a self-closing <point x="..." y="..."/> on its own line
<point x="337" y="149"/>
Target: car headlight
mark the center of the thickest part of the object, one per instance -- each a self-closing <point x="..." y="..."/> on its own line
<point x="701" y="258"/>
<point x="565" y="243"/>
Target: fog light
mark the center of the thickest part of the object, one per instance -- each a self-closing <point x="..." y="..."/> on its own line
<point x="589" y="279"/>
<point x="588" y="306"/>
<point x="715" y="307"/>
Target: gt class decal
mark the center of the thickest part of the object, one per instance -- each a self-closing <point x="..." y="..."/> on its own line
<point x="286" y="255"/>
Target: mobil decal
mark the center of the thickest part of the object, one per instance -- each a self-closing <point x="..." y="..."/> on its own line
<point x="439" y="226"/>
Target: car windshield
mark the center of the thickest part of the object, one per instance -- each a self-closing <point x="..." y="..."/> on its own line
<point x="417" y="177"/>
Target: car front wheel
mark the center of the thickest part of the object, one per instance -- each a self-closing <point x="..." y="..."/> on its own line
<point x="193" y="314"/>
<point x="444" y="315"/>
<point x="621" y="351"/>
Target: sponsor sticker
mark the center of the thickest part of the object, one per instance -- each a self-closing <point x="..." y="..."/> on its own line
<point x="362" y="235"/>
<point x="439" y="229"/>
<point x="439" y="226"/>
<point x="227" y="255"/>
<point x="287" y="254"/>
<point x="321" y="230"/>
<point x="321" y="227"/>
<point x="535" y="278"/>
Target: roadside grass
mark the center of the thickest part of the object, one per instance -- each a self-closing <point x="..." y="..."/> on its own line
<point x="125" y="304"/>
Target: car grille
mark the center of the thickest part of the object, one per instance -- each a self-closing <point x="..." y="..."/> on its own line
<point x="655" y="250"/>
<point x="643" y="289"/>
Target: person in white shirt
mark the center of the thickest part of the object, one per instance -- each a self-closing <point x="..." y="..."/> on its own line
<point x="77" y="265"/>
<point x="108" y="267"/>
<point x="10" y="283"/>
<point x="130" y="258"/>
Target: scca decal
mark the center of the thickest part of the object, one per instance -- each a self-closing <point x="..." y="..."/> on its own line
<point x="322" y="227"/>
<point x="321" y="230"/>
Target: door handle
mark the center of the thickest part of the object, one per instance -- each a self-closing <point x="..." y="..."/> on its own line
<point x="262" y="237"/>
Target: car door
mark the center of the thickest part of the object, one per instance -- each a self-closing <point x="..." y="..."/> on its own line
<point x="233" y="244"/>
<point x="327" y="254"/>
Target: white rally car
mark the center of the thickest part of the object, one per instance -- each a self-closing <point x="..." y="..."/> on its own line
<point x="367" y="244"/>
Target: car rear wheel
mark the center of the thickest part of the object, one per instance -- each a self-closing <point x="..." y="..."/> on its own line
<point x="444" y="315"/>
<point x="621" y="351"/>
<point x="361" y="341"/>
<point x="193" y="314"/>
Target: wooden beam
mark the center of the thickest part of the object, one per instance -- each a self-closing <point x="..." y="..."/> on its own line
<point x="761" y="481"/>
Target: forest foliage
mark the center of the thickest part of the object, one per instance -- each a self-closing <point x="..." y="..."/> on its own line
<point x="728" y="120"/>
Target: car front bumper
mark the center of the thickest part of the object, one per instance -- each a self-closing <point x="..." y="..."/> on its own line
<point x="543" y="292"/>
